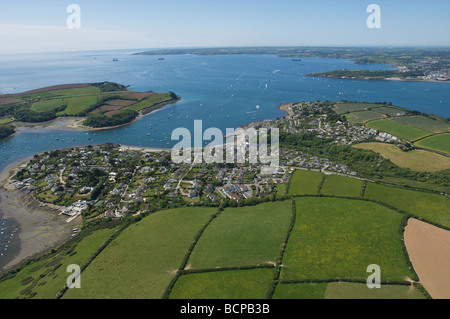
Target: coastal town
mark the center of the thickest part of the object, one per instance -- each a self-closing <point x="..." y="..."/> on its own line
<point x="114" y="181"/>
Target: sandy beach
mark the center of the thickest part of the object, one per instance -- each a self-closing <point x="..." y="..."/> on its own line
<point x="40" y="228"/>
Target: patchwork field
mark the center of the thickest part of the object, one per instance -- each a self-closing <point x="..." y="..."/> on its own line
<point x="78" y="104"/>
<point x="345" y="107"/>
<point x="339" y="238"/>
<point x="432" y="207"/>
<point x="341" y="186"/>
<point x="305" y="182"/>
<point x="46" y="105"/>
<point x="397" y="129"/>
<point x="439" y="142"/>
<point x="424" y="123"/>
<point x="417" y="160"/>
<point x="362" y="116"/>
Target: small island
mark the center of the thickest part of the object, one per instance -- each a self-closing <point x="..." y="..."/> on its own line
<point x="94" y="105"/>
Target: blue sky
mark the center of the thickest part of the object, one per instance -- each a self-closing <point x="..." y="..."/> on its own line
<point x="40" y="25"/>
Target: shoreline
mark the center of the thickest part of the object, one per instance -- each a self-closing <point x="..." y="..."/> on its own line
<point x="40" y="228"/>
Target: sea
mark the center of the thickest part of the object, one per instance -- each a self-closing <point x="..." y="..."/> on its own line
<point x="224" y="91"/>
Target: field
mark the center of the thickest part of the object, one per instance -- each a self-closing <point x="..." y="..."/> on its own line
<point x="345" y="107"/>
<point x="46" y="105"/>
<point x="243" y="236"/>
<point x="432" y="207"/>
<point x="6" y="121"/>
<point x="150" y="101"/>
<point x="424" y="123"/>
<point x="305" y="182"/>
<point x="142" y="261"/>
<point x="417" y="160"/>
<point x="341" y="186"/>
<point x="338" y="238"/>
<point x="440" y="142"/>
<point x="362" y="116"/>
<point x="230" y="284"/>
<point x="49" y="274"/>
<point x="75" y="91"/>
<point x="397" y="129"/>
<point x="345" y="290"/>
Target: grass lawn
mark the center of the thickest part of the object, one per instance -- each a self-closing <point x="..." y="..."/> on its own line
<point x="397" y="129"/>
<point x="341" y="186"/>
<point x="52" y="282"/>
<point x="307" y="290"/>
<point x="230" y="284"/>
<point x="424" y="123"/>
<point x="440" y="142"/>
<point x="142" y="261"/>
<point x="305" y="183"/>
<point x="77" y="104"/>
<point x="417" y="160"/>
<point x="243" y="236"/>
<point x="347" y="290"/>
<point x="432" y="207"/>
<point x="338" y="238"/>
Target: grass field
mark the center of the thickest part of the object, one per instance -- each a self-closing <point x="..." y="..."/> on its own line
<point x="362" y="116"/>
<point x="46" y="105"/>
<point x="78" y="104"/>
<point x="424" y="123"/>
<point x="354" y="107"/>
<point x="432" y="207"/>
<point x="243" y="236"/>
<point x="75" y="91"/>
<point x="440" y="142"/>
<point x="386" y="110"/>
<point x="142" y="261"/>
<point x="230" y="284"/>
<point x="346" y="290"/>
<point x="6" y="121"/>
<point x="150" y="101"/>
<point x="341" y="186"/>
<point x="397" y="129"/>
<point x="300" y="291"/>
<point x="417" y="160"/>
<point x="338" y="238"/>
<point x="305" y="182"/>
<point x="52" y="282"/>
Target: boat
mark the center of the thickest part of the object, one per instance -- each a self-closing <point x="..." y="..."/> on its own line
<point x="161" y="59"/>
<point x="115" y="59"/>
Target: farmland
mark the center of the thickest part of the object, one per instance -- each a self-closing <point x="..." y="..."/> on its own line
<point x="338" y="238"/>
<point x="424" y="123"/>
<point x="397" y="129"/>
<point x="417" y="160"/>
<point x="363" y="116"/>
<point x="305" y="182"/>
<point x="336" y="185"/>
<point x="439" y="142"/>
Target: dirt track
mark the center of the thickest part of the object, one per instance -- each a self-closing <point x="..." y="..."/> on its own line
<point x="429" y="250"/>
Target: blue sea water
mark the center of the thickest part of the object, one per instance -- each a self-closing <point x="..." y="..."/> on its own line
<point x="223" y="91"/>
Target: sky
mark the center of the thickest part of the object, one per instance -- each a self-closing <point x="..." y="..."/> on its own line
<point x="41" y="25"/>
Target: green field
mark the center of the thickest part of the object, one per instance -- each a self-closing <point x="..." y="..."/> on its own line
<point x="150" y="101"/>
<point x="309" y="290"/>
<point x="75" y="91"/>
<point x="341" y="186"/>
<point x="243" y="236"/>
<point x="345" y="107"/>
<point x="230" y="284"/>
<point x="362" y="116"/>
<point x="397" y="129"/>
<point x="78" y="104"/>
<point x="346" y="290"/>
<point x="6" y="121"/>
<point x="387" y="110"/>
<point x="424" y="123"/>
<point x="439" y="142"/>
<point x="49" y="274"/>
<point x="339" y="238"/>
<point x="142" y="261"/>
<point x="432" y="207"/>
<point x="305" y="182"/>
<point x="46" y="105"/>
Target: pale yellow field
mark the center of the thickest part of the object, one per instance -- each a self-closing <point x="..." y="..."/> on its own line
<point x="417" y="160"/>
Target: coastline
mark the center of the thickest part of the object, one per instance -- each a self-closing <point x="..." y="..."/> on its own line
<point x="40" y="228"/>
